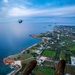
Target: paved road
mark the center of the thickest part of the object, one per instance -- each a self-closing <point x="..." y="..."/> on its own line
<point x="57" y="62"/>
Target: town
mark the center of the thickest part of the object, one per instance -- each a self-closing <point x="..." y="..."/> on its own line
<point x="55" y="45"/>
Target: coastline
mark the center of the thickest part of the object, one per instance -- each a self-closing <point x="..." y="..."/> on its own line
<point x="7" y="60"/>
<point x="24" y="50"/>
<point x="13" y="56"/>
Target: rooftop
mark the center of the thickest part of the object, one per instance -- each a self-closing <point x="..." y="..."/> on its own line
<point x="8" y="60"/>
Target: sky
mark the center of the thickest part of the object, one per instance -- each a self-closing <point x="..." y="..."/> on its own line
<point x="44" y="10"/>
<point x="32" y="12"/>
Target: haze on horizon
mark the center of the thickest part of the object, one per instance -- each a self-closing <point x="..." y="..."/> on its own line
<point x="33" y="12"/>
<point x="38" y="10"/>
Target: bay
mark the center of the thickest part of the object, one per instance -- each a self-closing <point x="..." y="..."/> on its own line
<point x="14" y="38"/>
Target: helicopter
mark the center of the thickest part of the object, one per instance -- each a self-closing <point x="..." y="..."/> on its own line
<point x="20" y="21"/>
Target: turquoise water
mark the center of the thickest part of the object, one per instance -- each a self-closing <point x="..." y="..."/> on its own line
<point x="14" y="37"/>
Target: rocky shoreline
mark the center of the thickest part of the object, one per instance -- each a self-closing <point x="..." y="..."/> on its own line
<point x="15" y="55"/>
<point x="9" y="59"/>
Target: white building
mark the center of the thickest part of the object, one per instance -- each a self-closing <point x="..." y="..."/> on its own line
<point x="16" y="63"/>
<point x="38" y="51"/>
<point x="58" y="36"/>
<point x="73" y="60"/>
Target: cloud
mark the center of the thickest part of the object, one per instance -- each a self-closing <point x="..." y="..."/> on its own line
<point x="6" y="1"/>
<point x="20" y="12"/>
<point x="3" y="12"/>
<point x="63" y="11"/>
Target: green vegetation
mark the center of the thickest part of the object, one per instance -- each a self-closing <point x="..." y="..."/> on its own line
<point x="25" y="55"/>
<point x="18" y="57"/>
<point x="48" y="53"/>
<point x="30" y="59"/>
<point x="49" y="64"/>
<point x="62" y="54"/>
<point x="70" y="69"/>
<point x="72" y="47"/>
<point x="28" y="51"/>
<point x="45" y="70"/>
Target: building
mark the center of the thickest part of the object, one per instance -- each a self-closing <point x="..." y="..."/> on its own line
<point x="38" y="51"/>
<point x="15" y="64"/>
<point x="43" y="58"/>
<point x="8" y="60"/>
<point x="73" y="61"/>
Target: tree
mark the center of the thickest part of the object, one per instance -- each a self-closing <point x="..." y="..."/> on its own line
<point x="23" y="52"/>
<point x="18" y="57"/>
<point x="28" y="51"/>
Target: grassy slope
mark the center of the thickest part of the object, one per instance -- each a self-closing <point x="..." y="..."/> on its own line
<point x="45" y="70"/>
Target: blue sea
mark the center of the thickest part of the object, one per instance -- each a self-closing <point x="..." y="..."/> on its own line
<point x="14" y="37"/>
